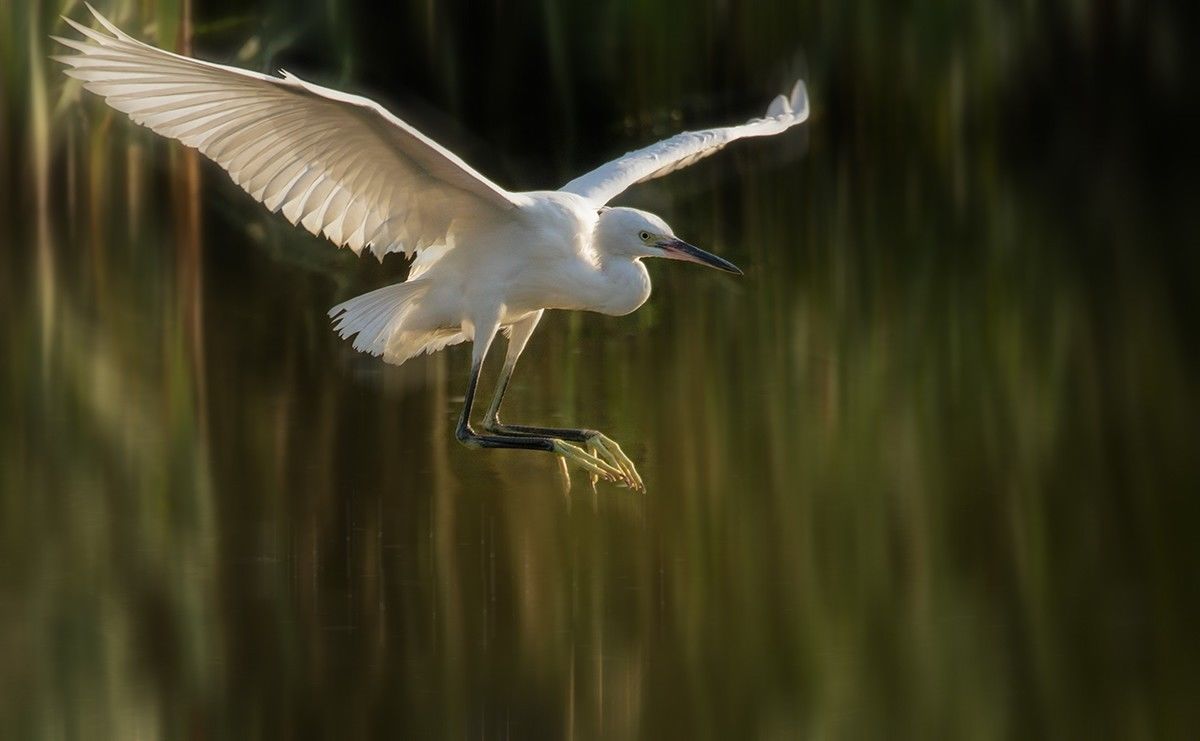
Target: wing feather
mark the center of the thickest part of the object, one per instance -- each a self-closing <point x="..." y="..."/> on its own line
<point x="607" y="181"/>
<point x="334" y="163"/>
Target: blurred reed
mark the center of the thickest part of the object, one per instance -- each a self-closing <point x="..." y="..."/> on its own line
<point x="926" y="472"/>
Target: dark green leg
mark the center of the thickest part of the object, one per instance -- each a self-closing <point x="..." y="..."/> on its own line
<point x="467" y="436"/>
<point x="598" y="444"/>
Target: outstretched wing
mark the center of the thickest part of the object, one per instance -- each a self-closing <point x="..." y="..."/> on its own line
<point x="607" y="181"/>
<point x="338" y="164"/>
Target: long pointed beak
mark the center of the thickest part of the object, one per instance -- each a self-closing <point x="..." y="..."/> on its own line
<point x="677" y="249"/>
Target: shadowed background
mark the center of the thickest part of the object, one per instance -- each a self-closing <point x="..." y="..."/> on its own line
<point x="929" y="470"/>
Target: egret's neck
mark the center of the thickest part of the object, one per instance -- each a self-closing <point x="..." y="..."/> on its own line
<point x="629" y="285"/>
<point x="617" y="286"/>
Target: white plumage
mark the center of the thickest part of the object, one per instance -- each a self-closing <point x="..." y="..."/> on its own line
<point x="485" y="259"/>
<point x="607" y="181"/>
<point x="337" y="164"/>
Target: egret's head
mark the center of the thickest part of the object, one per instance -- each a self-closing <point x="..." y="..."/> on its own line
<point x="638" y="234"/>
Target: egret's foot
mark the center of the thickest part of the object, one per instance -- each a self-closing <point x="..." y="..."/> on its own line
<point x="603" y="446"/>
<point x="600" y="447"/>
<point x="593" y="464"/>
<point x="566" y="474"/>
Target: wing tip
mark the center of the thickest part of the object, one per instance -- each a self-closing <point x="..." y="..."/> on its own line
<point x="96" y="34"/>
<point x="794" y="104"/>
<point x="74" y="24"/>
<point x="108" y="25"/>
<point x="798" y="100"/>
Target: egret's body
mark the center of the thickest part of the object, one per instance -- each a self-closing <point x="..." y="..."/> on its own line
<point x="507" y="272"/>
<point x="485" y="259"/>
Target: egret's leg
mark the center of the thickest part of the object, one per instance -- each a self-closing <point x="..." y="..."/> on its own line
<point x="597" y="443"/>
<point x="471" y="439"/>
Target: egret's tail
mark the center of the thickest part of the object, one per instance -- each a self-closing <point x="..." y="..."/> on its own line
<point x="379" y="320"/>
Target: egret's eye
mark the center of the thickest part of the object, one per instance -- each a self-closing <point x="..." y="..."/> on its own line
<point x="644" y="236"/>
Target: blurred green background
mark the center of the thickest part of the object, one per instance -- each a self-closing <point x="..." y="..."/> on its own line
<point x="928" y="471"/>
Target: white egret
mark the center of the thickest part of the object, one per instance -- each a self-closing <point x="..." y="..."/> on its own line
<point x="486" y="259"/>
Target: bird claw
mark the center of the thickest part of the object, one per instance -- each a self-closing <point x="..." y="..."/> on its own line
<point x="566" y="474"/>
<point x="587" y="461"/>
<point x="603" y="459"/>
<point x="604" y="447"/>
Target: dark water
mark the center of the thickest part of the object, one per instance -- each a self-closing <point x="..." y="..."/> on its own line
<point x="928" y="470"/>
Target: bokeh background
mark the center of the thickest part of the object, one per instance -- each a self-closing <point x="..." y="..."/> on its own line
<point x="929" y="470"/>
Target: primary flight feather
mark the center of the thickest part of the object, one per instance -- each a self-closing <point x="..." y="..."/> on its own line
<point x="486" y="259"/>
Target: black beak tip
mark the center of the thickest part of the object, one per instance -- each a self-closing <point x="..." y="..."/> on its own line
<point x="724" y="265"/>
<point x="691" y="253"/>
